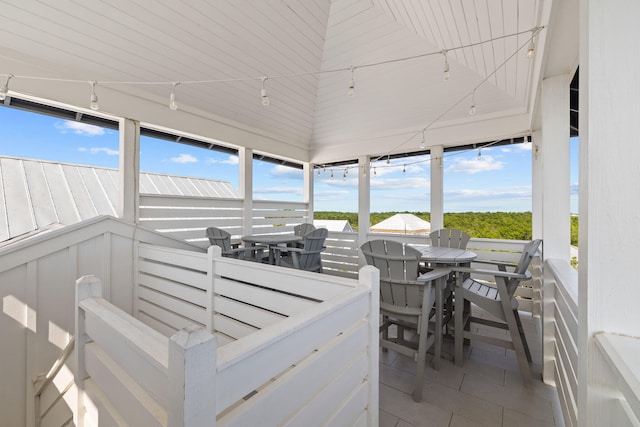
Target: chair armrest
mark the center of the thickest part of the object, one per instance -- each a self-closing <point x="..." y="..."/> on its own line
<point x="507" y="274"/>
<point x="498" y="264"/>
<point x="436" y="273"/>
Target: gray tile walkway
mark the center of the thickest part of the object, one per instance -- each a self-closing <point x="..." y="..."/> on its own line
<point x="486" y="391"/>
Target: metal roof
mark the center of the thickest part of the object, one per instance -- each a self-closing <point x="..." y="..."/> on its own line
<point x="34" y="194"/>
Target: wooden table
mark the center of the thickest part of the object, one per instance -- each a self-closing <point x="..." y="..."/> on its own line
<point x="271" y="240"/>
<point x="442" y="257"/>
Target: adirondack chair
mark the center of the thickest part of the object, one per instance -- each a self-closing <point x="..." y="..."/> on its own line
<point x="449" y="238"/>
<point x="406" y="301"/>
<point x="222" y="238"/>
<point x="498" y="300"/>
<point x="301" y="230"/>
<point x="306" y="258"/>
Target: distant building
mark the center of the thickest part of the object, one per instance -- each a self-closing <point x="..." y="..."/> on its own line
<point x="402" y="224"/>
<point x="38" y="195"/>
<point x="341" y="225"/>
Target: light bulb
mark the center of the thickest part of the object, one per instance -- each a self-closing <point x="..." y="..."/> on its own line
<point x="422" y="142"/>
<point x="173" y="105"/>
<point x="388" y="159"/>
<point x="265" y="98"/>
<point x="352" y="85"/>
<point x="472" y="110"/>
<point x="404" y="169"/>
<point x="530" y="50"/>
<point x="479" y="154"/>
<point x="4" y="90"/>
<point x="93" y="101"/>
<point x="331" y="174"/>
<point x="445" y="69"/>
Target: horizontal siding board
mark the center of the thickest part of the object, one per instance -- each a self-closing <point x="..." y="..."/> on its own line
<point x="294" y="281"/>
<point x="167" y="317"/>
<point x="246" y="313"/>
<point x="190" y="202"/>
<point x="178" y="290"/>
<point x="177" y="306"/>
<point x="285" y="304"/>
<point x="181" y="275"/>
<point x="188" y="259"/>
<point x="243" y="361"/>
<point x="297" y="387"/>
<point x="126" y="395"/>
<point x="232" y="328"/>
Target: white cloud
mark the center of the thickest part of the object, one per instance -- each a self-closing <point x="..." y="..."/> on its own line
<point x="232" y="160"/>
<point x="96" y="150"/>
<point x="525" y="146"/>
<point x="78" y="128"/>
<point x="399" y="183"/>
<point x="519" y="192"/>
<point x="287" y="172"/>
<point x="184" y="158"/>
<point x="483" y="164"/>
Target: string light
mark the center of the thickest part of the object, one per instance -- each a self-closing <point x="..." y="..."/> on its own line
<point x="93" y="101"/>
<point x="4" y="90"/>
<point x="173" y="105"/>
<point x="445" y="70"/>
<point x="422" y="142"/>
<point x="352" y="85"/>
<point x="374" y="171"/>
<point x="263" y="92"/>
<point x="531" y="48"/>
<point x="472" y="108"/>
<point x="344" y="175"/>
<point x="479" y="153"/>
<point x="388" y="159"/>
<point x="331" y="174"/>
<point x="404" y="169"/>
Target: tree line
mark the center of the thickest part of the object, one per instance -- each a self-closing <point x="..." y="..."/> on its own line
<point x="490" y="225"/>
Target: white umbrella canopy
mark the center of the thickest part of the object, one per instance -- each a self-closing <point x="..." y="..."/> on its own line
<point x="402" y="224"/>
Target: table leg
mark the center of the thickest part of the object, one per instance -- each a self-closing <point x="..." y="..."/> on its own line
<point x="458" y="323"/>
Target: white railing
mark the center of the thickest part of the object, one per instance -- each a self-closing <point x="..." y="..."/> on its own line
<point x="128" y="372"/>
<point x="37" y="286"/>
<point x="279" y="333"/>
<point x="560" y="335"/>
<point x="616" y="384"/>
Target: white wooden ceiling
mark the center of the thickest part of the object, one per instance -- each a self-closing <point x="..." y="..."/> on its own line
<point x="154" y="43"/>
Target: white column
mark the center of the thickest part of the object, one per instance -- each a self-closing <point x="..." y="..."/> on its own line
<point x="437" y="188"/>
<point x="245" y="184"/>
<point x="307" y="170"/>
<point x="609" y="184"/>
<point x="537" y="183"/>
<point x="129" y="171"/>
<point x="553" y="153"/>
<point x="364" y="199"/>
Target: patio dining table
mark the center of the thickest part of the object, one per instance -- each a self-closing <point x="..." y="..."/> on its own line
<point x="438" y="256"/>
<point x="271" y="240"/>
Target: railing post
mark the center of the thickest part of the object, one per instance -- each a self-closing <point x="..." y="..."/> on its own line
<point x="192" y="375"/>
<point x="370" y="276"/>
<point x="212" y="252"/>
<point x="86" y="287"/>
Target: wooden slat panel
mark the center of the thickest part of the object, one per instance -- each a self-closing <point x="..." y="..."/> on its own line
<point x="178" y="290"/>
<point x="278" y="302"/>
<point x="191" y="202"/>
<point x="232" y="328"/>
<point x="188" y="259"/>
<point x="151" y="212"/>
<point x="293" y="281"/>
<point x="242" y="362"/>
<point x="299" y="386"/>
<point x="246" y="313"/>
<point x="180" y="275"/>
<point x="195" y="313"/>
<point x="126" y="395"/>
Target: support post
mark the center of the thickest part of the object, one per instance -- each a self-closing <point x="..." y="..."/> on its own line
<point x="370" y="276"/>
<point x="307" y="170"/>
<point x="437" y="188"/>
<point x="364" y="199"/>
<point x="192" y="369"/>
<point x="246" y="188"/>
<point x="129" y="171"/>
<point x="86" y="287"/>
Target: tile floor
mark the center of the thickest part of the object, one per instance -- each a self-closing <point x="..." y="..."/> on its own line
<point x="486" y="391"/>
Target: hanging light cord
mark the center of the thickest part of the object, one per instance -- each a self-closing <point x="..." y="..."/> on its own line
<point x="534" y="32"/>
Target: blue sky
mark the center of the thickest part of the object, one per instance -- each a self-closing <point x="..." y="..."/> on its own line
<point x="497" y="180"/>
